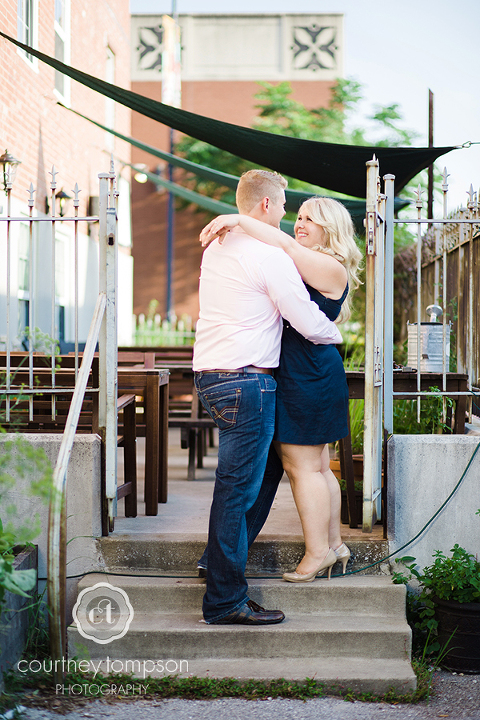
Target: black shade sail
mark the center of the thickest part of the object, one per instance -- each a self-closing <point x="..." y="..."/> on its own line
<point x="294" y="198"/>
<point x="328" y="165"/>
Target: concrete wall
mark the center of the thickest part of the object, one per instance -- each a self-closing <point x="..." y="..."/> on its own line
<point x="83" y="505"/>
<point x="271" y="47"/>
<point x="422" y="472"/>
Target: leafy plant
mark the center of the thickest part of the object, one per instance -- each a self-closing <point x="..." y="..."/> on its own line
<point x="19" y="582"/>
<point x="197" y="688"/>
<point x="451" y="578"/>
<point x="19" y="459"/>
<point x="354" y="360"/>
<point x="41" y="342"/>
<point x="357" y="424"/>
<point x="455" y="578"/>
<point x="37" y="643"/>
<point x="358" y="485"/>
<point x="405" y="418"/>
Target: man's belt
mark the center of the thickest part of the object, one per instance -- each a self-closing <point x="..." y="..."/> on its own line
<point x="247" y="369"/>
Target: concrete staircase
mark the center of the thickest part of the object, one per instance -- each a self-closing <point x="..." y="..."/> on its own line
<point x="350" y="631"/>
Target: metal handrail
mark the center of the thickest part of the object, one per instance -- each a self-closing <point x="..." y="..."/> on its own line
<point x="56" y="572"/>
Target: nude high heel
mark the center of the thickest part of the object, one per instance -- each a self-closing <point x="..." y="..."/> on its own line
<point x="343" y="554"/>
<point x="328" y="562"/>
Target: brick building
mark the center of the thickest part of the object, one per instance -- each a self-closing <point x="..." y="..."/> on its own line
<point x="223" y="58"/>
<point x="94" y="37"/>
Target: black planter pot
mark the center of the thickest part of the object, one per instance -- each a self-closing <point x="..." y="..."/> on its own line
<point x="14" y="621"/>
<point x="462" y="619"/>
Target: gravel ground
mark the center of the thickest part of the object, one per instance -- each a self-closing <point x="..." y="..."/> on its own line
<point x="454" y="696"/>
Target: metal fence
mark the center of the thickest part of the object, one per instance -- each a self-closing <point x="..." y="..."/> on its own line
<point x="103" y="331"/>
<point x="451" y="251"/>
<point x="442" y="279"/>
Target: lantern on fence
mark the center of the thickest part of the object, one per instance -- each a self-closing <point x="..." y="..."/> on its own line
<point x="9" y="165"/>
<point x="432" y="348"/>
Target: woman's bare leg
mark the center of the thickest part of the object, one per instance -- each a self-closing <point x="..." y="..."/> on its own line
<point x="334" y="530"/>
<point x="311" y="492"/>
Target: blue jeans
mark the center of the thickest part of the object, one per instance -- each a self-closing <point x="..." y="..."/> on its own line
<point x="243" y="408"/>
<point x="260" y="510"/>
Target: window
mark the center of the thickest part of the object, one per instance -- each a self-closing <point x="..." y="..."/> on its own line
<point x="23" y="323"/>
<point x="23" y="258"/>
<point x="27" y="21"/>
<point x="60" y="275"/>
<point x="23" y="285"/>
<point x="62" y="46"/>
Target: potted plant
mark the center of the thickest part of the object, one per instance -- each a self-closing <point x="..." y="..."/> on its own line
<point x="449" y="606"/>
<point x="18" y="557"/>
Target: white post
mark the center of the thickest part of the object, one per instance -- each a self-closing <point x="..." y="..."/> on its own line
<point x="373" y="435"/>
<point x="108" y="347"/>
<point x="389" y="318"/>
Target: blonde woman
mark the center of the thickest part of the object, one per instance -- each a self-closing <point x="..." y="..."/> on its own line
<point x="312" y="391"/>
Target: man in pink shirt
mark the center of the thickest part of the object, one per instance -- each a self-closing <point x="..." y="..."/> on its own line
<point x="246" y="288"/>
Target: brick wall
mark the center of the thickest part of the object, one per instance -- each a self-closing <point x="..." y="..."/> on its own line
<point x="39" y="132"/>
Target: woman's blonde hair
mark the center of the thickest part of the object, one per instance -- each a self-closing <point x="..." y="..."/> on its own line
<point x="339" y="230"/>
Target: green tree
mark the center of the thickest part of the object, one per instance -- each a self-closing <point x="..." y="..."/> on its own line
<point x="279" y="113"/>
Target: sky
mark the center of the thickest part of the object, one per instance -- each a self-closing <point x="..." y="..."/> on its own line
<point x="398" y="51"/>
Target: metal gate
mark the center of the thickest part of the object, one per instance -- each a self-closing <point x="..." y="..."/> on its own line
<point x="374" y="324"/>
<point x="453" y="239"/>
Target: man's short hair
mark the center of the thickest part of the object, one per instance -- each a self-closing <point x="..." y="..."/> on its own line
<point x="255" y="185"/>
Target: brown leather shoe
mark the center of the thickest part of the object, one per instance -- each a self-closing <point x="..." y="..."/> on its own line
<point x="251" y="614"/>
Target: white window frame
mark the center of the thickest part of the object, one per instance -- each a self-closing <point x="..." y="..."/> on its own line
<point x="24" y="294"/>
<point x="31" y="61"/>
<point x="65" y="35"/>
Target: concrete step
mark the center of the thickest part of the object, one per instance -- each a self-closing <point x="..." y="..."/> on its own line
<point x="350" y="631"/>
<point x="357" y="595"/>
<point x="357" y="674"/>
<point x="179" y="553"/>
<point x="187" y="636"/>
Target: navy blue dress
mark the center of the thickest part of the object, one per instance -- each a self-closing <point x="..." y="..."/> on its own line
<point x="312" y="390"/>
